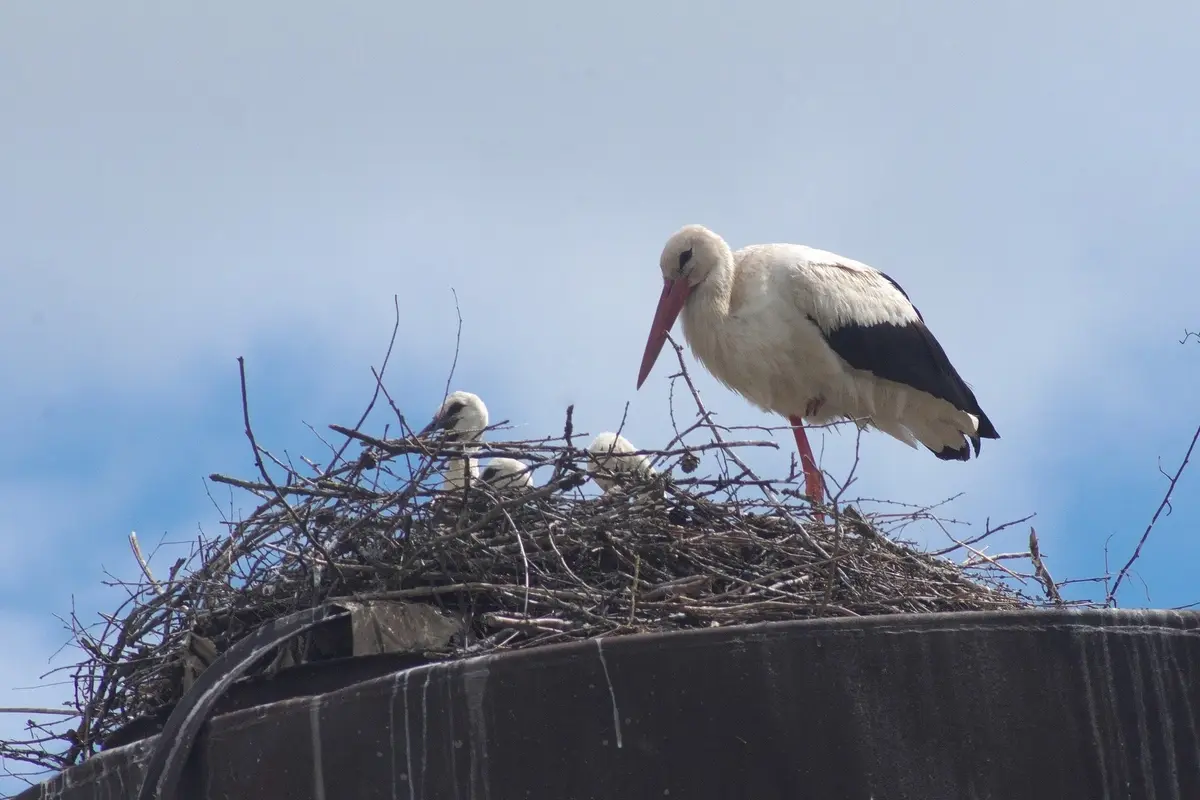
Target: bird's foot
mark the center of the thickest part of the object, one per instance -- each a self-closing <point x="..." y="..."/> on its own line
<point x="814" y="487"/>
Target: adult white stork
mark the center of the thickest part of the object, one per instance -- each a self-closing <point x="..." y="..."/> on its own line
<point x="463" y="417"/>
<point x="811" y="335"/>
<point x="611" y="454"/>
<point x="506" y="473"/>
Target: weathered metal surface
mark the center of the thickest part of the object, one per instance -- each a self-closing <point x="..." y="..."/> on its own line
<point x="1028" y="705"/>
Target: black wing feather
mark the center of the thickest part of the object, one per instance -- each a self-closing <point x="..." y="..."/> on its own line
<point x="909" y="354"/>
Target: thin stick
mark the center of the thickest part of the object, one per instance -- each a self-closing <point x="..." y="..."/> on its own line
<point x="137" y="554"/>
<point x="1111" y="600"/>
<point x="262" y="470"/>
<point x="56" y="712"/>
<point x="382" y="369"/>
<point x="637" y="569"/>
<point x="1039" y="569"/>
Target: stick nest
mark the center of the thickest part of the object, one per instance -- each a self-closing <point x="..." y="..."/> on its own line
<point x="559" y="562"/>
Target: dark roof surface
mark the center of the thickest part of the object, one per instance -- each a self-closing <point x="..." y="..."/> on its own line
<point x="1023" y="705"/>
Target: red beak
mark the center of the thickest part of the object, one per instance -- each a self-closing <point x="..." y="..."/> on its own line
<point x="674" y="295"/>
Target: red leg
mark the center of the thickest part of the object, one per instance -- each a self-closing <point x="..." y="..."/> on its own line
<point x="814" y="486"/>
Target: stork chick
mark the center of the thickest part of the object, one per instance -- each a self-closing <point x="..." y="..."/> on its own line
<point x="611" y="454"/>
<point x="463" y="418"/>
<point x="507" y="473"/>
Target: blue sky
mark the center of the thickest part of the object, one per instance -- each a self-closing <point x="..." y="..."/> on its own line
<point x="183" y="185"/>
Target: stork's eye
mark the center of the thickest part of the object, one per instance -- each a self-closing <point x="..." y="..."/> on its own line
<point x="454" y="408"/>
<point x="684" y="258"/>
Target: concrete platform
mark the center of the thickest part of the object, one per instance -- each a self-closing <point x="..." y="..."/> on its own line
<point x="1016" y="705"/>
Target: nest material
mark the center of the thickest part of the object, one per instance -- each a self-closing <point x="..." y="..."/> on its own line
<point x="514" y="570"/>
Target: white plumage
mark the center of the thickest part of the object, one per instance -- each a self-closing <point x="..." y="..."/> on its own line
<point x="455" y="476"/>
<point x="814" y="336"/>
<point x="610" y="455"/>
<point x="463" y="417"/>
<point x="507" y="473"/>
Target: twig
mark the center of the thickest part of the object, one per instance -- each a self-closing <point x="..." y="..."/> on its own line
<point x="457" y="345"/>
<point x="569" y="426"/>
<point x="1111" y="600"/>
<point x="262" y="469"/>
<point x="378" y="385"/>
<point x="137" y="554"/>
<point x="57" y="712"/>
<point x="633" y="591"/>
<point x="1039" y="569"/>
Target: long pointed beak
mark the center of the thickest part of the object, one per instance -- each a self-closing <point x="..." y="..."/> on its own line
<point x="674" y="295"/>
<point x="435" y="424"/>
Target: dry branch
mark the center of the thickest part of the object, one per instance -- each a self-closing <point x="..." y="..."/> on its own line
<point x="1165" y="505"/>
